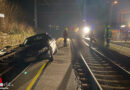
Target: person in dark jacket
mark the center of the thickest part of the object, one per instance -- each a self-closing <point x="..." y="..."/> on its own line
<point x="65" y="35"/>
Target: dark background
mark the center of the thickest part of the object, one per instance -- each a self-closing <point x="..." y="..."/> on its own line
<point x="68" y="12"/>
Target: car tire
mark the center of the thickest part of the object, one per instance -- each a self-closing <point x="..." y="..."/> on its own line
<point x="56" y="51"/>
<point x="50" y="54"/>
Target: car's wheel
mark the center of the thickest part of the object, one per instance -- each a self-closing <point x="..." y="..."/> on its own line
<point x="56" y="51"/>
<point x="50" y="54"/>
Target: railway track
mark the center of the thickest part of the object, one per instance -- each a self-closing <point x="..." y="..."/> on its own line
<point x="100" y="72"/>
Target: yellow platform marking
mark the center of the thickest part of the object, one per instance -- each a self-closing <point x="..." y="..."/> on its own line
<point x="36" y="77"/>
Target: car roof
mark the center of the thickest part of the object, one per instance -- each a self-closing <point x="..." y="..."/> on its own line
<point x="42" y="34"/>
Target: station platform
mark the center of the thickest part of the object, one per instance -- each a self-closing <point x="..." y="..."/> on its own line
<point x="46" y="75"/>
<point x="120" y="49"/>
<point x="59" y="74"/>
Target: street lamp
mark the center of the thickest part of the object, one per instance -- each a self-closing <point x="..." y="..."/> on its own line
<point x="115" y="2"/>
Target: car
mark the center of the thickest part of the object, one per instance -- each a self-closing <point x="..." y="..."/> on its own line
<point x="41" y="45"/>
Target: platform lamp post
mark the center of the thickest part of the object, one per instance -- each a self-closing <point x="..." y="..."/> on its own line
<point x="35" y="15"/>
<point x="114" y="3"/>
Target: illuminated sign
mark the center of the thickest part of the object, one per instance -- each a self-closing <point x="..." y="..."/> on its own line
<point x="2" y="15"/>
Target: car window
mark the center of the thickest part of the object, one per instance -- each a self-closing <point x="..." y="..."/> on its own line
<point x="37" y="39"/>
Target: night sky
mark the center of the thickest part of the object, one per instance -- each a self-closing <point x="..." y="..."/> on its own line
<point x="52" y="13"/>
<point x="25" y="4"/>
<point x="64" y="12"/>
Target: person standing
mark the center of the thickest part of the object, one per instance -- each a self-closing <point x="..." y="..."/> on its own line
<point x="92" y="38"/>
<point x="65" y="36"/>
<point x="108" y="34"/>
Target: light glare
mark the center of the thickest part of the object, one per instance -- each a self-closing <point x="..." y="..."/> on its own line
<point x="122" y="26"/>
<point x="86" y="29"/>
<point x="2" y="15"/>
<point x="115" y="2"/>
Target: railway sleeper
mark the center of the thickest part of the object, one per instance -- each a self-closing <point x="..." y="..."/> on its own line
<point x="96" y="62"/>
<point x="106" y="87"/>
<point x="115" y="83"/>
<point x="109" y="77"/>
<point x="99" y="65"/>
<point x="85" y="86"/>
<point x="84" y="80"/>
<point x="105" y="73"/>
<point x="101" y="69"/>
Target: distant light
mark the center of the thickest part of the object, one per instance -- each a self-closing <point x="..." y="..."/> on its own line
<point x="84" y="20"/>
<point x="122" y="26"/>
<point x="115" y="2"/>
<point x="86" y="30"/>
<point x="128" y="25"/>
<point x="2" y="15"/>
<point x="76" y="29"/>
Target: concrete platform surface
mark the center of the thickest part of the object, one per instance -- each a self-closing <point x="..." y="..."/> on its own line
<point x="59" y="74"/>
<point x="120" y="49"/>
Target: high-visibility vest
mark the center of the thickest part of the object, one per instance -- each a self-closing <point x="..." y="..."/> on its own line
<point x="108" y="32"/>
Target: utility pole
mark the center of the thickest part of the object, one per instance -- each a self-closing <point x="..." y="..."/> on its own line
<point x="35" y="15"/>
<point x="112" y="6"/>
